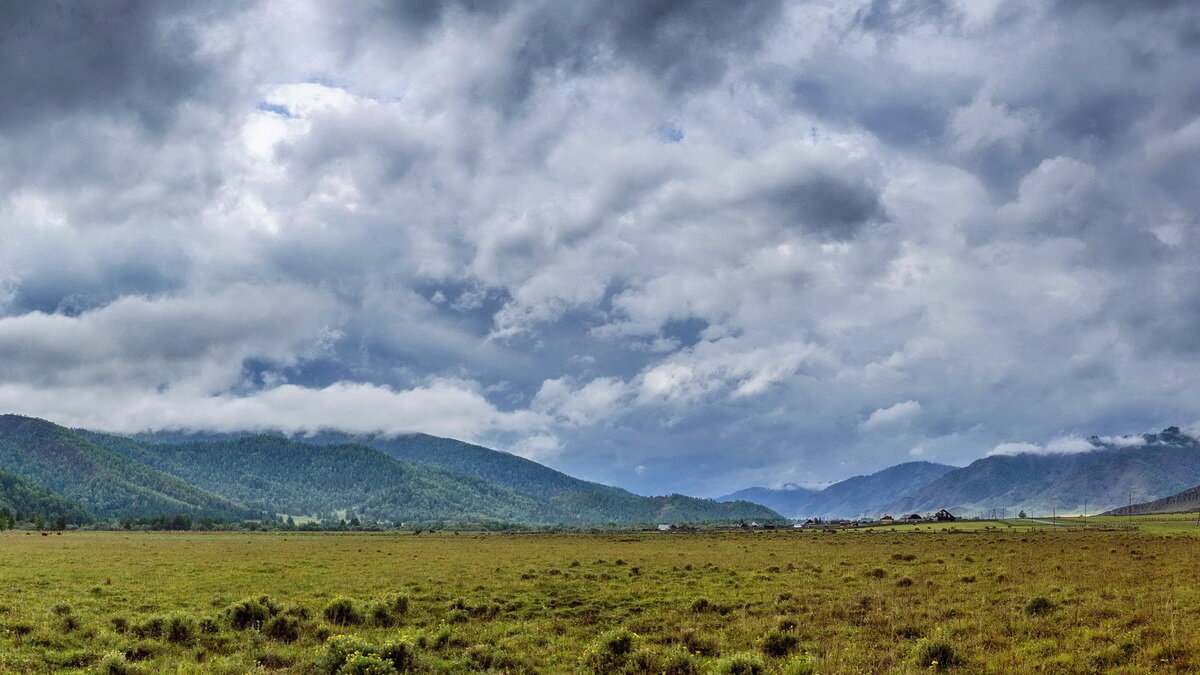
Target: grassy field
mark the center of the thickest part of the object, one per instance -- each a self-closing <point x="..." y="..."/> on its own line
<point x="1002" y="600"/>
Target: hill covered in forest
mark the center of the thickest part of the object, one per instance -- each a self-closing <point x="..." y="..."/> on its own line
<point x="328" y="477"/>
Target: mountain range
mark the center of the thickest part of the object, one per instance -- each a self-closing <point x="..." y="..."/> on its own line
<point x="1110" y="474"/>
<point x="1187" y="501"/>
<point x="415" y="478"/>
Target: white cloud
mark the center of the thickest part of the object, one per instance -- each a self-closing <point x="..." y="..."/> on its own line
<point x="1016" y="449"/>
<point x="894" y="414"/>
<point x="441" y="408"/>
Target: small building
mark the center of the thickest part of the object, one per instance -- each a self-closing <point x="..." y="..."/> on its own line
<point x="887" y="519"/>
<point x="912" y="518"/>
<point x="664" y="528"/>
<point x="944" y="516"/>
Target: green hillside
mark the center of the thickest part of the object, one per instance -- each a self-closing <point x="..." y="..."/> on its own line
<point x="281" y="475"/>
<point x="496" y="467"/>
<point x="564" y="499"/>
<point x="106" y="483"/>
<point x="27" y="499"/>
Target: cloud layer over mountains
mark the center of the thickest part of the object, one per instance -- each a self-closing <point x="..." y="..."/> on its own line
<point x="670" y="245"/>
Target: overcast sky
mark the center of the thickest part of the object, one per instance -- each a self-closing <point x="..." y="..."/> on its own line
<point x="673" y="246"/>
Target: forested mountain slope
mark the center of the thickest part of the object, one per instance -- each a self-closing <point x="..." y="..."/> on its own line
<point x="562" y="498"/>
<point x="281" y="475"/>
<point x="23" y="498"/>
<point x="106" y="483"/>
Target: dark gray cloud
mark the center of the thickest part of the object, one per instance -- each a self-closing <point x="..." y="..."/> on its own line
<point x="777" y="242"/>
<point x="124" y="58"/>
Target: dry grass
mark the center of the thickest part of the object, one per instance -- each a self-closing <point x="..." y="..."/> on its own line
<point x="1002" y="601"/>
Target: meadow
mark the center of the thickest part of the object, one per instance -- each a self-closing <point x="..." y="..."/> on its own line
<point x="993" y="598"/>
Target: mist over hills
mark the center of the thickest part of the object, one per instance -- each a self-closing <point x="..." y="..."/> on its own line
<point x="1104" y="475"/>
<point x="327" y="477"/>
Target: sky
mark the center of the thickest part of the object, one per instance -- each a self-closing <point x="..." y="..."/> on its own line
<point x="673" y="246"/>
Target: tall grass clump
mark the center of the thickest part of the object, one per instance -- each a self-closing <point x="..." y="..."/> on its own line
<point x="740" y="664"/>
<point x="250" y="613"/>
<point x="609" y="652"/>
<point x="342" y="612"/>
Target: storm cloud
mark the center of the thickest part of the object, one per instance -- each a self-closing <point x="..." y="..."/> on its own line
<point x="771" y="242"/>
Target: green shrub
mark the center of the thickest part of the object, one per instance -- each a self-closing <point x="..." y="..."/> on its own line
<point x="776" y="644"/>
<point x="180" y="628"/>
<point x="741" y="664"/>
<point x="609" y="652"/>
<point x="672" y="662"/>
<point x="402" y="654"/>
<point x="61" y="609"/>
<point x="151" y="627"/>
<point x="380" y="614"/>
<point x="282" y="628"/>
<point x="489" y="657"/>
<point x="114" y="663"/>
<point x="342" y="612"/>
<point x="399" y="604"/>
<point x="365" y="664"/>
<point x="937" y="654"/>
<point x="1039" y="606"/>
<point x="337" y="650"/>
<point x="248" y="613"/>
<point x="457" y="616"/>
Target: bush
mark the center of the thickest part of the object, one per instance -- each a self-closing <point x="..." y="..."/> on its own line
<point x="180" y="628"/>
<point x="365" y="664"/>
<point x="488" y="657"/>
<point x="337" y="650"/>
<point x="114" y="663"/>
<point x="282" y="628"/>
<point x="1039" y="606"/>
<point x="399" y="604"/>
<point x="457" y="616"/>
<point x="673" y="662"/>
<point x="741" y="664"/>
<point x="776" y="644"/>
<point x="248" y="613"/>
<point x="609" y="652"/>
<point x="342" y="612"/>
<point x="61" y="609"/>
<point x="402" y="654"/>
<point x="342" y="654"/>
<point x="937" y="654"/>
<point x="151" y="627"/>
<point x="380" y="614"/>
